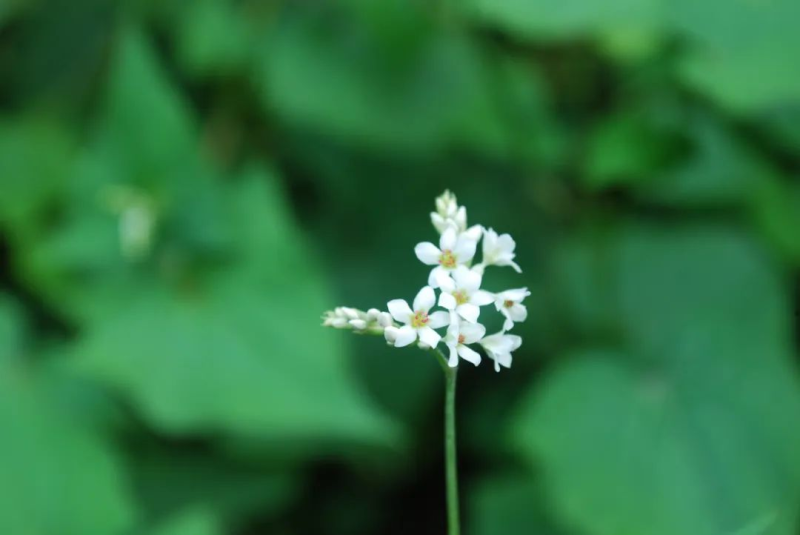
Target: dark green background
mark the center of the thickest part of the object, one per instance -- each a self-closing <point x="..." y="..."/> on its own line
<point x="645" y="154"/>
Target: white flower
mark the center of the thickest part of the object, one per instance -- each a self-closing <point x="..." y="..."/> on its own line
<point x="459" y="335"/>
<point x="509" y="303"/>
<point x="499" y="347"/>
<point x="463" y="295"/>
<point x="499" y="250"/>
<point x="418" y="323"/>
<point x="454" y="250"/>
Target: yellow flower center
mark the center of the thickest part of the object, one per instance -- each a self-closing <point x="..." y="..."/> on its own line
<point x="448" y="259"/>
<point x="461" y="297"/>
<point x="460" y="339"/>
<point x="420" y="319"/>
<point x="509" y="303"/>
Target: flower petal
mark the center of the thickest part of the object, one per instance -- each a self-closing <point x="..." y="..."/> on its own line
<point x="405" y="335"/>
<point x="425" y="299"/>
<point x="481" y="298"/>
<point x="445" y="282"/>
<point x="439" y="319"/>
<point x="439" y="278"/>
<point x="427" y="253"/>
<point x="506" y="243"/>
<point x="400" y="310"/>
<point x="449" y="239"/>
<point x="472" y="332"/>
<point x="453" y="361"/>
<point x="469" y="354"/>
<point x="429" y="336"/>
<point x="489" y="241"/>
<point x="474" y="233"/>
<point x="469" y="312"/>
<point x="465" y="249"/>
<point x="467" y="279"/>
<point x="518" y="313"/>
<point x="502" y="359"/>
<point x="516" y="295"/>
<point x="446" y="300"/>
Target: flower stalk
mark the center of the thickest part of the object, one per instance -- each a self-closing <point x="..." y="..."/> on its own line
<point x="459" y="284"/>
<point x="450" y="453"/>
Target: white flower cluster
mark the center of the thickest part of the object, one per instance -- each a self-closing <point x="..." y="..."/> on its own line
<point x="460" y="295"/>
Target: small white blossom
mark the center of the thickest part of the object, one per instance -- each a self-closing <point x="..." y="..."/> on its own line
<point x="499" y="347"/>
<point x="459" y="336"/>
<point x="499" y="250"/>
<point x="454" y="250"/>
<point x="419" y="323"/>
<point x="462" y="294"/>
<point x="509" y="303"/>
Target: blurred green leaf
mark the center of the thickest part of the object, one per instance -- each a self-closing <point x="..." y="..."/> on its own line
<point x="628" y="147"/>
<point x="720" y="170"/>
<point x="776" y="211"/>
<point x="194" y="521"/>
<point x="55" y="477"/>
<point x="675" y="432"/>
<point x="537" y="19"/>
<point x="146" y="125"/>
<point x="174" y="479"/>
<point x="416" y="102"/>
<point x="741" y="62"/>
<point x="12" y="328"/>
<point x="510" y="504"/>
<point x="242" y="353"/>
<point x="213" y="38"/>
<point x="34" y="154"/>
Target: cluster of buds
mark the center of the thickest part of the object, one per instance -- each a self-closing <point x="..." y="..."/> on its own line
<point x="357" y="320"/>
<point x="460" y="295"/>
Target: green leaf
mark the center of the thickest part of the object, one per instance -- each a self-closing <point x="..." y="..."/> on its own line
<point x="55" y="477"/>
<point x="213" y="38"/>
<point x="568" y="19"/>
<point x="34" y="157"/>
<point x="240" y="351"/>
<point x="627" y="148"/>
<point x="12" y="329"/>
<point x="409" y="100"/>
<point x="509" y="504"/>
<point x="720" y="170"/>
<point x="776" y="212"/>
<point x="193" y="521"/>
<point x="146" y="124"/>
<point x="742" y="63"/>
<point x="173" y="479"/>
<point x="687" y="426"/>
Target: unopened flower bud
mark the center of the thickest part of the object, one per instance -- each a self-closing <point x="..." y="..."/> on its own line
<point x="359" y="324"/>
<point x="350" y="313"/>
<point x="385" y="319"/>
<point x="372" y="315"/>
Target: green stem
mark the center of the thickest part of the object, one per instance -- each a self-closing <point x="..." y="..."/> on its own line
<point x="451" y="463"/>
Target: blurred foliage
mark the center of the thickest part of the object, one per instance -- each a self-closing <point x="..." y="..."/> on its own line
<point x="186" y="187"/>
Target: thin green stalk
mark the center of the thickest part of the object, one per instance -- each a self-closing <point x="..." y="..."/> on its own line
<point x="451" y="464"/>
